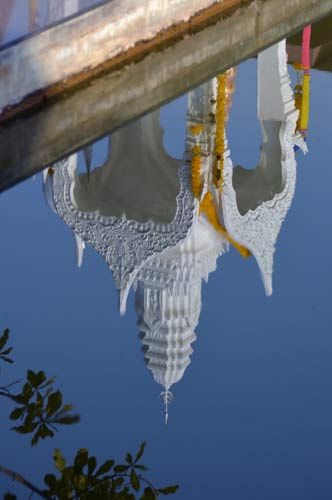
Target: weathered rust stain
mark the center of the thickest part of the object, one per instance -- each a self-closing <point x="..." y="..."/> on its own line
<point x="165" y="39"/>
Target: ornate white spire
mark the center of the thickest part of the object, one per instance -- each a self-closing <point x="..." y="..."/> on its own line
<point x="167" y="398"/>
<point x="168" y="303"/>
<point x="167" y="317"/>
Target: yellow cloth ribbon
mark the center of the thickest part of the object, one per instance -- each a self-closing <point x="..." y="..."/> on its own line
<point x="208" y="206"/>
<point x="196" y="184"/>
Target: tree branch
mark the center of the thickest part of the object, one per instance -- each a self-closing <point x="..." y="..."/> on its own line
<point x="20" y="479"/>
<point x="4" y="393"/>
<point x="11" y="384"/>
<point x="7" y="394"/>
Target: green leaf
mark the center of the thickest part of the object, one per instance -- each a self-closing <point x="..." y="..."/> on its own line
<point x="140" y="451"/>
<point x="48" y="392"/>
<point x="148" y="494"/>
<point x="7" y="360"/>
<point x="32" y="377"/>
<point x="106" y="467"/>
<point x="9" y="496"/>
<point x="48" y="382"/>
<point x="59" y="460"/>
<point x="45" y="431"/>
<point x="50" y="480"/>
<point x="4" y="338"/>
<point x="169" y="490"/>
<point x="26" y="393"/>
<point x="121" y="468"/>
<point x="54" y="402"/>
<point x="16" y="413"/>
<point x="33" y="415"/>
<point x="92" y="464"/>
<point x="40" y="400"/>
<point x="35" y="438"/>
<point x="118" y="481"/>
<point x="66" y="408"/>
<point x="25" y="429"/>
<point x="81" y="459"/>
<point x="129" y="459"/>
<point x="141" y="467"/>
<point x="134" y="480"/>
<point x="68" y="474"/>
<point x="7" y="351"/>
<point x="67" y="420"/>
<point x="40" y="378"/>
<point x="79" y="482"/>
<point x="42" y="433"/>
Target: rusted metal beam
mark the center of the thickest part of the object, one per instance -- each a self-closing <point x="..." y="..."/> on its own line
<point x="37" y="140"/>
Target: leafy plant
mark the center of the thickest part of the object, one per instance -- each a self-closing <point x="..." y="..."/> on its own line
<point x="40" y="407"/>
<point x="4" y="352"/>
<point x="84" y="480"/>
<point x="39" y="410"/>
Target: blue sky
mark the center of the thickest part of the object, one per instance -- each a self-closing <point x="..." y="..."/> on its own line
<point x="252" y="417"/>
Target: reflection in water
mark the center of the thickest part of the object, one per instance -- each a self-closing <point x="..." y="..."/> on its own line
<point x="18" y="17"/>
<point x="161" y="224"/>
<point x="168" y="302"/>
<point x="138" y="169"/>
<point x="59" y="9"/>
<point x="119" y="226"/>
<point x="6" y="12"/>
<point x="255" y="204"/>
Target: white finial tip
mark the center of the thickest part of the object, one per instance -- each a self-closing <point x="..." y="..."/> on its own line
<point x="168" y="398"/>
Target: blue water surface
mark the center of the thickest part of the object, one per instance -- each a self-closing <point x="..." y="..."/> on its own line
<point x="252" y="416"/>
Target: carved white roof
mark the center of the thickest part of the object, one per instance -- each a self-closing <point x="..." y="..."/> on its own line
<point x="124" y="243"/>
<point x="253" y="206"/>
